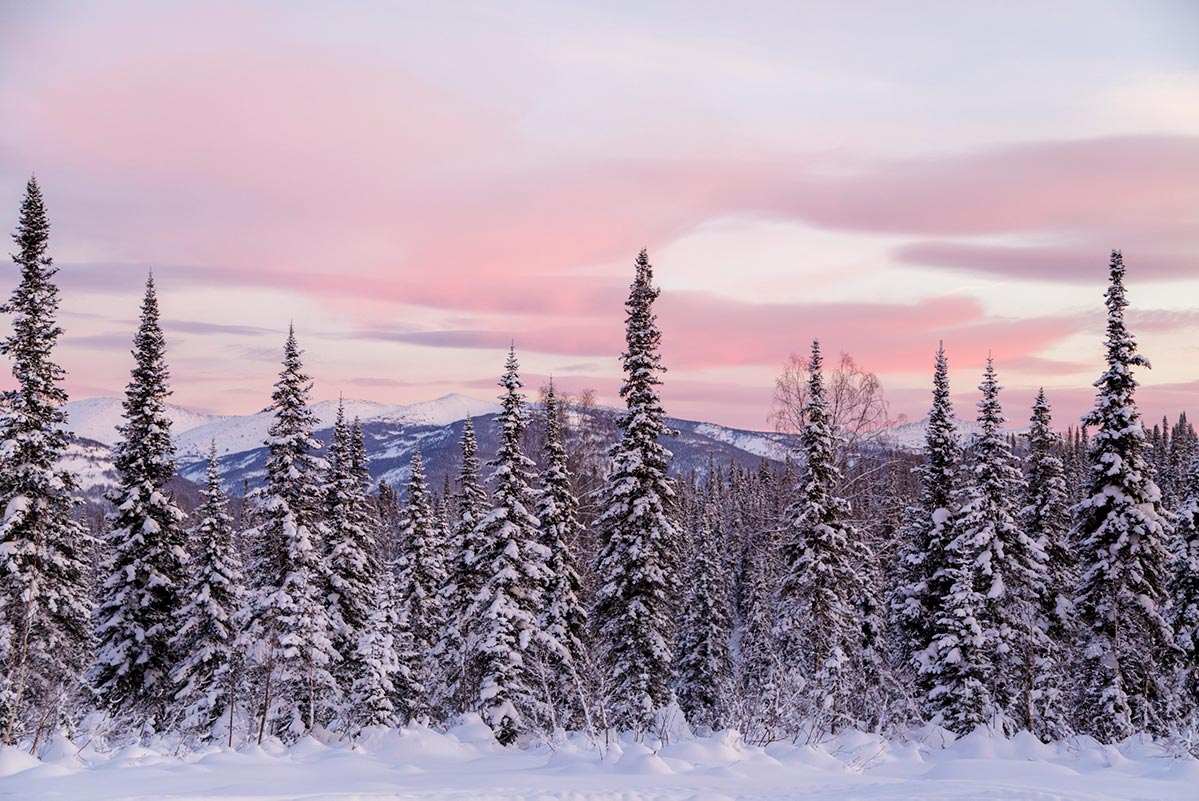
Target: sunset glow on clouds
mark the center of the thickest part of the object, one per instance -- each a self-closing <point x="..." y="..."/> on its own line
<point x="417" y="185"/>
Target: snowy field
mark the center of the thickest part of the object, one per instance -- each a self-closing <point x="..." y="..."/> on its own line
<point x="418" y="763"/>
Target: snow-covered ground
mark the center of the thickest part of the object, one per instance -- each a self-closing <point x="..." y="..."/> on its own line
<point x="417" y="763"/>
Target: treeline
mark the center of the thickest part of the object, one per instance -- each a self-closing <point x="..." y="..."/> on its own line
<point x="1039" y="583"/>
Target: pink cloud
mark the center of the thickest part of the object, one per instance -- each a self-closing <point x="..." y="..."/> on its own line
<point x="1105" y="186"/>
<point x="883" y="337"/>
<point x="303" y="170"/>
<point x="1074" y="264"/>
<point x="703" y="330"/>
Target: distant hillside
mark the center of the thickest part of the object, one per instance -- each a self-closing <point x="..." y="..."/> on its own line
<point x="392" y="435"/>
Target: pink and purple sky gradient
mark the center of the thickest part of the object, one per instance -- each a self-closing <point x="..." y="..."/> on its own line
<point x="415" y="184"/>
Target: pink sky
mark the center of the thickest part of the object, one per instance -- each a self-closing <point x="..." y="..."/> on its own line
<point x="417" y="185"/>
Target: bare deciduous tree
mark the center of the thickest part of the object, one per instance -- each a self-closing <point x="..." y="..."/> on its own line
<point x="858" y="409"/>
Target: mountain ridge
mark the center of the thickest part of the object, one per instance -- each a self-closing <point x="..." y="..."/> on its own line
<point x="394" y="431"/>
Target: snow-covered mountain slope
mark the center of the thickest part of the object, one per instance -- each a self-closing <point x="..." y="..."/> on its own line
<point x="91" y="462"/>
<point x="391" y="441"/>
<point x="760" y="443"/>
<point x="97" y="418"/>
<point x="234" y="435"/>
<point x="392" y="431"/>
<point x="910" y="436"/>
<point x="445" y="410"/>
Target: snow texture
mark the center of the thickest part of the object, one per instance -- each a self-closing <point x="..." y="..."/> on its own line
<point x="466" y="763"/>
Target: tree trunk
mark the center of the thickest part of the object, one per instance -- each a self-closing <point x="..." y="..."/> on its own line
<point x="266" y="701"/>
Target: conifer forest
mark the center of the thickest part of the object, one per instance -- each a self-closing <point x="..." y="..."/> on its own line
<point x="1036" y="579"/>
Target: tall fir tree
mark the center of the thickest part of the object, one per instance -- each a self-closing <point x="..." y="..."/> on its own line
<point x="1045" y="518"/>
<point x="360" y="466"/>
<point x="1122" y="535"/>
<point x="207" y="674"/>
<point x="636" y="566"/>
<point x="504" y="625"/>
<point x="143" y="576"/>
<point x="998" y="574"/>
<point x="349" y="546"/>
<point x="824" y="586"/>
<point x="45" y="604"/>
<point x="289" y="632"/>
<point x="924" y="569"/>
<point x="457" y="688"/>
<point x="563" y="617"/>
<point x="422" y="574"/>
<point x="704" y="668"/>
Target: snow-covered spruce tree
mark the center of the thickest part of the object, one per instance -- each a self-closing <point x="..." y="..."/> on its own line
<point x="1045" y="518"/>
<point x="1184" y="592"/>
<point x="143" y="576"/>
<point x="824" y="585"/>
<point x="1082" y="465"/>
<point x="45" y="606"/>
<point x="704" y="683"/>
<point x="289" y="632"/>
<point x="1182" y="454"/>
<point x="386" y="685"/>
<point x="754" y="593"/>
<point x="1007" y="568"/>
<point x="759" y="714"/>
<point x="457" y="688"/>
<point x="503" y="625"/>
<point x="422" y="575"/>
<point x="563" y="617"/>
<point x="957" y="669"/>
<point x="360" y="465"/>
<point x="925" y="580"/>
<point x="636" y="565"/>
<point x="349" y="548"/>
<point x="1122" y="535"/>
<point x="207" y="674"/>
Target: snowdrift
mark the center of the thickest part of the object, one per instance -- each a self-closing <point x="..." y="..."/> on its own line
<point x="466" y="763"/>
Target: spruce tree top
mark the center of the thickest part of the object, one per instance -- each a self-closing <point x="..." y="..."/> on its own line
<point x="819" y="438"/>
<point x="641" y="360"/>
<point x="472" y="496"/>
<point x="340" y="467"/>
<point x="359" y="461"/>
<point x="556" y="473"/>
<point x="990" y="413"/>
<point x="33" y="228"/>
<point x="942" y="447"/>
<point x="33" y="306"/>
<point x="146" y="451"/>
<point x="1114" y="410"/>
<point x="295" y="469"/>
<point x="512" y="420"/>
<point x="212" y="495"/>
